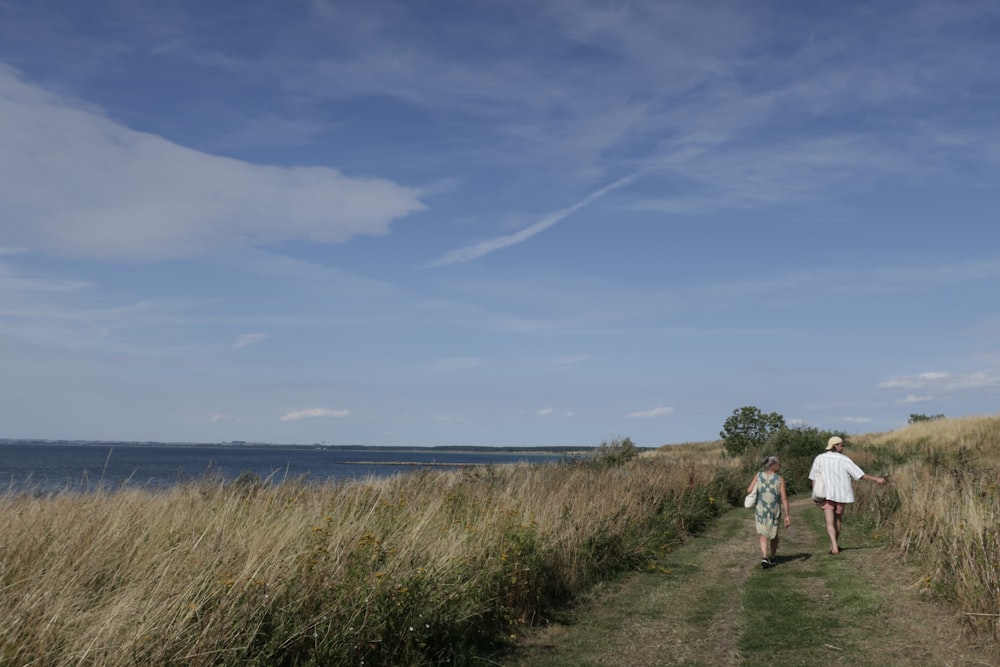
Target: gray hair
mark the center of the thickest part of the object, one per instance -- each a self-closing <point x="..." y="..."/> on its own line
<point x="769" y="463"/>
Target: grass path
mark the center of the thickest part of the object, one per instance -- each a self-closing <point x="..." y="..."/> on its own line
<point x="712" y="605"/>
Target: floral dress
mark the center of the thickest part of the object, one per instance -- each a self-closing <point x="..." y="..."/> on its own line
<point x="768" y="509"/>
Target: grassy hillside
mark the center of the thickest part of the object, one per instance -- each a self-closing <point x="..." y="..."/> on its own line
<point x="942" y="508"/>
<point x="436" y="567"/>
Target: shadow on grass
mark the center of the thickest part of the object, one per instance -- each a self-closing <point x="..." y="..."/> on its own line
<point x="791" y="558"/>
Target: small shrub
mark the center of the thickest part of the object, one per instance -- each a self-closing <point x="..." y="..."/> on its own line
<point x="917" y="418"/>
<point x="615" y="453"/>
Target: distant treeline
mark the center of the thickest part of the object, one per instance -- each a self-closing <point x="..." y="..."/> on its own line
<point x="485" y="448"/>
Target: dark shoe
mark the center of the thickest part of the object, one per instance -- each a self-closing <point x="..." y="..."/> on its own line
<point x="764" y="563"/>
<point x="771" y="562"/>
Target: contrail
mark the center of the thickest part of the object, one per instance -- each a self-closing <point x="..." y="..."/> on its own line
<point x="475" y="251"/>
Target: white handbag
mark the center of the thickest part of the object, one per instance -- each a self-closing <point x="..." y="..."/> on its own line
<point x="819" y="488"/>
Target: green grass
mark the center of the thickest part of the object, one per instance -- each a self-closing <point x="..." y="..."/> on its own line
<point x="710" y="604"/>
<point x="823" y="609"/>
<point x="678" y="614"/>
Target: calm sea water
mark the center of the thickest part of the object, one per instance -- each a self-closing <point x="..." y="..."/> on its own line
<point x="42" y="467"/>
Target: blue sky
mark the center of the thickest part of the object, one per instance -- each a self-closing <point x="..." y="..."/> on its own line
<point x="497" y="222"/>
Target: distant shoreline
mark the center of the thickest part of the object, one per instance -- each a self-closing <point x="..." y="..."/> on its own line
<point x="540" y="449"/>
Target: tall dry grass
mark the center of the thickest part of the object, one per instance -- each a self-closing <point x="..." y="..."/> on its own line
<point x="945" y="506"/>
<point x="424" y="568"/>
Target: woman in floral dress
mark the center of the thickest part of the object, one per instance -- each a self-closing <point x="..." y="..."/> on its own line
<point x="772" y="504"/>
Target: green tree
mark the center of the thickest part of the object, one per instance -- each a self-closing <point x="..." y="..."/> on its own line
<point x="749" y="428"/>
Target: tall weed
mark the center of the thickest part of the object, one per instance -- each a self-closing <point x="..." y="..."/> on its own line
<point x="945" y="505"/>
<point x="425" y="568"/>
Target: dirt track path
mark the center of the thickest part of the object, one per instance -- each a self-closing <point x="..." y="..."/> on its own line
<point x="692" y="612"/>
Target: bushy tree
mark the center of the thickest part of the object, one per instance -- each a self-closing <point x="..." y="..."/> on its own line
<point x="749" y="428"/>
<point x="804" y="441"/>
<point x="797" y="447"/>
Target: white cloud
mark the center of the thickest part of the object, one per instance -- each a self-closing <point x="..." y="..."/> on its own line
<point x="311" y="413"/>
<point x="219" y="418"/>
<point x="857" y="420"/>
<point x="74" y="182"/>
<point x="972" y="381"/>
<point x="912" y="381"/>
<point x="655" y="412"/>
<point x="248" y="339"/>
<point x="548" y="412"/>
<point x="943" y="381"/>
<point x="914" y="399"/>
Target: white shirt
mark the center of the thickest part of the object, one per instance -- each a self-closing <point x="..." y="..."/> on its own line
<point x="837" y="471"/>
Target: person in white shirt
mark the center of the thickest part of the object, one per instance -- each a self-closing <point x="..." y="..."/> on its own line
<point x="837" y="470"/>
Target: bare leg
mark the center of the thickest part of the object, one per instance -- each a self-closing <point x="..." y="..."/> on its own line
<point x="762" y="539"/>
<point x="774" y="547"/>
<point x="832" y="529"/>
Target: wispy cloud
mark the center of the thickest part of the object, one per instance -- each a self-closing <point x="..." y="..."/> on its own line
<point x="77" y="183"/>
<point x="973" y="381"/>
<point x="857" y="420"/>
<point x="913" y="381"/>
<point x="248" y="339"/>
<point x="910" y="399"/>
<point x="947" y="382"/>
<point x="313" y="413"/>
<point x="654" y="412"/>
<point x="469" y="253"/>
<point x="15" y="281"/>
<point x="572" y="359"/>
<point x="219" y="418"/>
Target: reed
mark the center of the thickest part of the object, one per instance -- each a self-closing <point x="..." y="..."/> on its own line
<point x="423" y="568"/>
<point x="944" y="502"/>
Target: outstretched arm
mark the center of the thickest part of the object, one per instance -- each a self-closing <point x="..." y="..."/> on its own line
<point x="784" y="504"/>
<point x="881" y="481"/>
